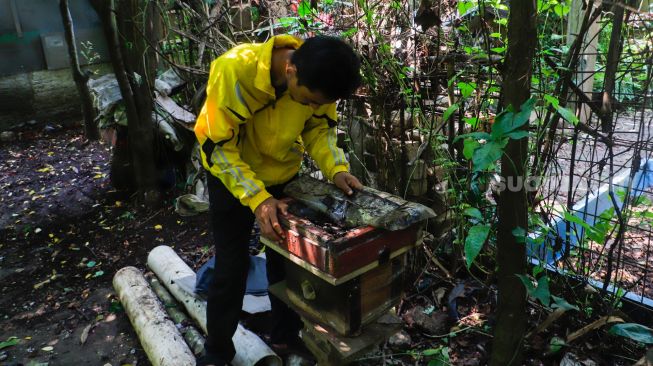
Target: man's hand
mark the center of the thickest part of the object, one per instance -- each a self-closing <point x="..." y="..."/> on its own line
<point x="346" y="182"/>
<point x="266" y="215"/>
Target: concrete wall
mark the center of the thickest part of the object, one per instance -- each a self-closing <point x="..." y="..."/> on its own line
<point x="46" y="96"/>
<point x="35" y="77"/>
<point x="31" y="34"/>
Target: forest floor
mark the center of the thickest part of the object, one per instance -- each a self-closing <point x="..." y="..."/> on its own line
<point x="64" y="232"/>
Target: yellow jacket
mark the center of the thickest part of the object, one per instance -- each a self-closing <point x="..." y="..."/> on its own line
<point x="250" y="139"/>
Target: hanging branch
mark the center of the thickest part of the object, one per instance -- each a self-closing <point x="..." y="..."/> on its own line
<point x="90" y="124"/>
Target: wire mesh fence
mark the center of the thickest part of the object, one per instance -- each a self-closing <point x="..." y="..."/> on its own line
<point x="433" y="73"/>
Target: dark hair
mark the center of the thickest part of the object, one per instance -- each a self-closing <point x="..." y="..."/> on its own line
<point x="328" y="65"/>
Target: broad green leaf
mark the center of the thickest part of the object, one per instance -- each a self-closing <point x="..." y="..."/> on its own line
<point x="576" y="220"/>
<point x="541" y="292"/>
<point x="561" y="10"/>
<point x="537" y="270"/>
<point x="474" y="241"/>
<point x="527" y="283"/>
<point x="287" y="22"/>
<point x="452" y="108"/>
<point x="501" y="21"/>
<point x="641" y="200"/>
<point x="509" y="121"/>
<point x="472" y="121"/>
<point x="466" y="89"/>
<point x="349" y="32"/>
<point x="304" y="8"/>
<point x="552" y="100"/>
<point x="11" y="341"/>
<point x="568" y="115"/>
<point x="441" y="358"/>
<point x="487" y="155"/>
<point x="621" y="193"/>
<point x="473" y="212"/>
<point x="431" y="352"/>
<point x="559" y="302"/>
<point x="475" y="135"/>
<point x="469" y="146"/>
<point x="516" y="135"/>
<point x="634" y="331"/>
<point x="464" y="6"/>
<point x="555" y="345"/>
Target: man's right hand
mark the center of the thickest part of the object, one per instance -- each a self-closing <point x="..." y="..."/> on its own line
<point x="266" y="215"/>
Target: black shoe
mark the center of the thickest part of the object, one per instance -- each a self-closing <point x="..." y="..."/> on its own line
<point x="208" y="359"/>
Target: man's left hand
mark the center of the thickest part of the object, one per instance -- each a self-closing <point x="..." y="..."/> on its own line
<point x="346" y="182"/>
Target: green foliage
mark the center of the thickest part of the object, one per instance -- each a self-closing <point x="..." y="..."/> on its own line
<point x="634" y="331"/>
<point x="11" y="341"/>
<point x="541" y="292"/>
<point x="507" y="125"/>
<point x="440" y="356"/>
<point x="473" y="212"/>
<point x="476" y="238"/>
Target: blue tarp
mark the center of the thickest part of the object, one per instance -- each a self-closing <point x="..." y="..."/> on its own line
<point x="257" y="280"/>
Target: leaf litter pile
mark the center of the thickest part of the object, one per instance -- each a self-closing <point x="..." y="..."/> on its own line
<point x="65" y="232"/>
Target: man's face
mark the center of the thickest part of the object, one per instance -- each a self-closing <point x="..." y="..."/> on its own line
<point x="302" y="94"/>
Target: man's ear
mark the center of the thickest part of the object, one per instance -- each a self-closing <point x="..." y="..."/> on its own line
<point x="291" y="69"/>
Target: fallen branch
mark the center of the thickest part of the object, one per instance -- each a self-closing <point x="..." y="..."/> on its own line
<point x="555" y="315"/>
<point x="592" y="326"/>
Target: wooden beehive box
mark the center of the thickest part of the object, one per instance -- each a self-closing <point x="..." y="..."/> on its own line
<point x="343" y="278"/>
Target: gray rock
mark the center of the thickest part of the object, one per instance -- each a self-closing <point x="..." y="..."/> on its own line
<point x="571" y="359"/>
<point x="7" y="136"/>
<point x="400" y="341"/>
<point x="434" y="324"/>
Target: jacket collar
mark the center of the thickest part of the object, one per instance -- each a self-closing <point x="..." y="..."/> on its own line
<point x="263" y="80"/>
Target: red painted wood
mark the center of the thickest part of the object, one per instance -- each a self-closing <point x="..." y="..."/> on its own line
<point x="344" y="252"/>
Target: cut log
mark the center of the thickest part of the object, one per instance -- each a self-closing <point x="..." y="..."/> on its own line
<point x="159" y="336"/>
<point x="179" y="279"/>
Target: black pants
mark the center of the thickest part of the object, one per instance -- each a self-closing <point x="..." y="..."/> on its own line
<point x="232" y="226"/>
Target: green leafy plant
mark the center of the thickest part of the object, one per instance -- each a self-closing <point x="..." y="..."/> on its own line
<point x="634" y="331"/>
<point x="484" y="148"/>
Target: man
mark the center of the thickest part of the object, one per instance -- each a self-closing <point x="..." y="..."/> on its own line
<point x="266" y="103"/>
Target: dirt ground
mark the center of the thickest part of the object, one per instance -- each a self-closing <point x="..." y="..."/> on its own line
<point x="64" y="233"/>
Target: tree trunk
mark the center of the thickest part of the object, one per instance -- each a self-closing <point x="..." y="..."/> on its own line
<point x="136" y="95"/>
<point x="512" y="205"/>
<point x="81" y="79"/>
<point x="140" y="59"/>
